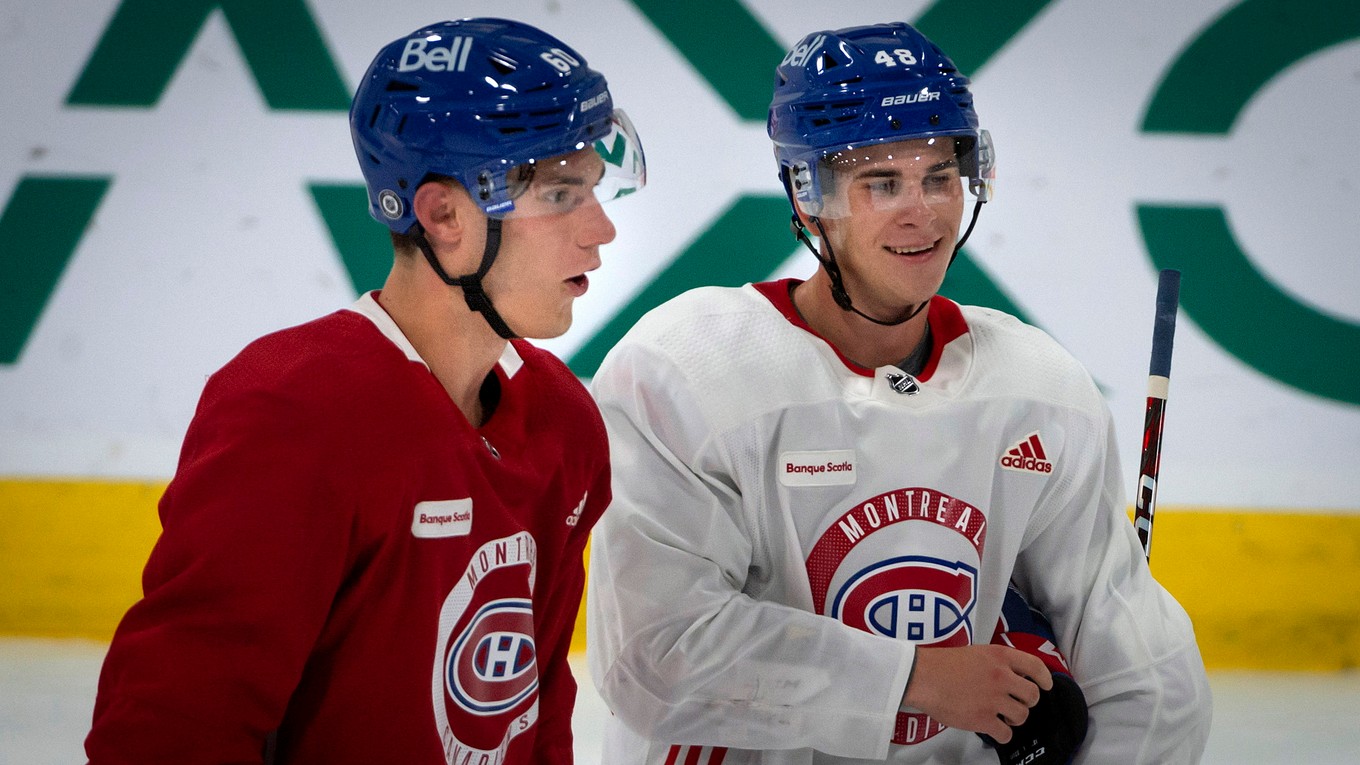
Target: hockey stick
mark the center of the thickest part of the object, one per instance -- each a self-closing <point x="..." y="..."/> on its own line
<point x="1159" y="379"/>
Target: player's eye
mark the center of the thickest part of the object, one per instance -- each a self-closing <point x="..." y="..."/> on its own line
<point x="561" y="197"/>
<point x="884" y="186"/>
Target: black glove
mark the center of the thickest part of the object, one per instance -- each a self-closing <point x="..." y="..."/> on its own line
<point x="1054" y="730"/>
<point x="1056" y="725"/>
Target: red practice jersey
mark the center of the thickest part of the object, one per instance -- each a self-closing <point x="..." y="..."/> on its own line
<point x="351" y="573"/>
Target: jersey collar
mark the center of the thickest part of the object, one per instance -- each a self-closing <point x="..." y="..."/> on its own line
<point x="368" y="306"/>
<point x="946" y="323"/>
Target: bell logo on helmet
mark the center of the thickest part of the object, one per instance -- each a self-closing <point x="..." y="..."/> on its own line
<point x="451" y="59"/>
<point x="799" y="55"/>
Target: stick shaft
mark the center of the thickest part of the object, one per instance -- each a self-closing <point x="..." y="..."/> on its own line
<point x="1159" y="379"/>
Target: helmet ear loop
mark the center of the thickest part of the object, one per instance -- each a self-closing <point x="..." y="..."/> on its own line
<point x="828" y="260"/>
<point x="833" y="270"/>
<point x="977" y="208"/>
<point x="471" y="284"/>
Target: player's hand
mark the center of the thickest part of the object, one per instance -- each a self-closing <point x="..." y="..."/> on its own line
<point x="981" y="688"/>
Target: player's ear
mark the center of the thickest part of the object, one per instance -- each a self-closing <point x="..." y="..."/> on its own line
<point x="443" y="209"/>
<point x="804" y="219"/>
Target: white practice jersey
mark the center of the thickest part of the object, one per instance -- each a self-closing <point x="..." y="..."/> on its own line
<point x="788" y="526"/>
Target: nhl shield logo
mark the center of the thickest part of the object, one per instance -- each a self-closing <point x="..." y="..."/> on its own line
<point x="903" y="383"/>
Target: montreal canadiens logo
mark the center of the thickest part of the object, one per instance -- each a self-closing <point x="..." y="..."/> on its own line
<point x="923" y="600"/>
<point x="492" y="665"/>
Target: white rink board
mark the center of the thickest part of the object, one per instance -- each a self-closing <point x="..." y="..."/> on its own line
<point x="207" y="236"/>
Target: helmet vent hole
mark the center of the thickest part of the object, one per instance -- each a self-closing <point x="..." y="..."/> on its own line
<point x="373" y="118"/>
<point x="502" y="65"/>
<point x="509" y="122"/>
<point x="397" y="86"/>
<point x="401" y="126"/>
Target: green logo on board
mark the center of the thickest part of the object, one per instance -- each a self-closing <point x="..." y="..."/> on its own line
<point x="146" y="42"/>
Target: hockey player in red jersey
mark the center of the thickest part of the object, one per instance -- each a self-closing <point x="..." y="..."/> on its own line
<point x="372" y="544"/>
<point x="824" y="489"/>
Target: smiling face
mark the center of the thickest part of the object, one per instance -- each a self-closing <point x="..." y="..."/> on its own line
<point x="892" y="215"/>
<point x="548" y="244"/>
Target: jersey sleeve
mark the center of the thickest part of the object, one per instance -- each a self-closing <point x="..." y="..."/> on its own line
<point x="678" y="651"/>
<point x="236" y="590"/>
<point x="1131" y="645"/>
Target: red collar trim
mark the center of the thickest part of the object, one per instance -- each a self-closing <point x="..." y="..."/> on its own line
<point x="946" y="324"/>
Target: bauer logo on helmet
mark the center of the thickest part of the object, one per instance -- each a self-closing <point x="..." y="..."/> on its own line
<point x="591" y="103"/>
<point x="912" y="98"/>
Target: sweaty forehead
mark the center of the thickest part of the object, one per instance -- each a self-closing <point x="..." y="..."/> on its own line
<point x="920" y="151"/>
<point x="583" y="164"/>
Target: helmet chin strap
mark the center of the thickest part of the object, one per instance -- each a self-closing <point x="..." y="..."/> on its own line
<point x="838" y="292"/>
<point x="471" y="284"/>
<point x="833" y="269"/>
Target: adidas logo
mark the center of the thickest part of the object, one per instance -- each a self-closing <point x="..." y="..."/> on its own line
<point x="1027" y="456"/>
<point x="575" y="516"/>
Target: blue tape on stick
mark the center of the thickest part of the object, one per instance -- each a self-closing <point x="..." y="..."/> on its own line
<point x="1164" y="325"/>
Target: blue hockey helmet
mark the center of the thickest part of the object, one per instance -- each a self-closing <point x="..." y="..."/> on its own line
<point x="475" y="100"/>
<point x="842" y="89"/>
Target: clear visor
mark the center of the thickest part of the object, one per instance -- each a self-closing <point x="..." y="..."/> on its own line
<point x="625" y="167"/>
<point x="890" y="177"/>
<point x="612" y="167"/>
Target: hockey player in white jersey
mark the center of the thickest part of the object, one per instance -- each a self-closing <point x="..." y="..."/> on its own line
<point x="824" y="489"/>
